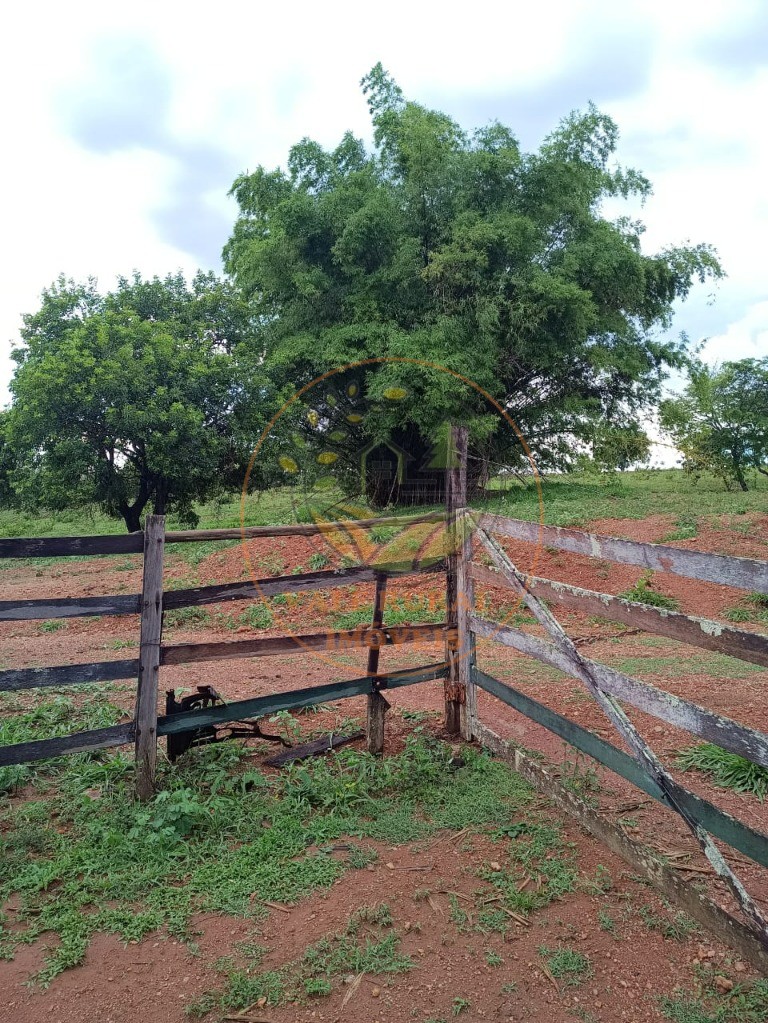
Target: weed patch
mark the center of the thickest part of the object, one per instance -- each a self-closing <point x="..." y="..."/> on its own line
<point x="219" y="836"/>
<point x="644" y="593"/>
<point x="567" y="964"/>
<point x="727" y="770"/>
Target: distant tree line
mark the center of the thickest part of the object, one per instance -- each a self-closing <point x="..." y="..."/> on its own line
<point x="433" y="248"/>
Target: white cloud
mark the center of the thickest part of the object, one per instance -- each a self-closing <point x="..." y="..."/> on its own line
<point x="246" y="81"/>
<point x="747" y="338"/>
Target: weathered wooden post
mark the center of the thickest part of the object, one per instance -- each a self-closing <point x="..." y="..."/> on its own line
<point x="456" y="579"/>
<point x="149" y="656"/>
<point x="377" y="704"/>
<point x="465" y="605"/>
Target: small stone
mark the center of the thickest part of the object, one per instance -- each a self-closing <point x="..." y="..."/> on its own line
<point x="495" y="865"/>
<point x="349" y="978"/>
<point x="739" y="967"/>
<point x="262" y="1001"/>
<point x="375" y="992"/>
<point x="723" y="985"/>
<point x="389" y="866"/>
<point x="407" y="926"/>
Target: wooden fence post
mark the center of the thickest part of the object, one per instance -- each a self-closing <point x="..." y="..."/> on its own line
<point x="149" y="656"/>
<point x="465" y="606"/>
<point x="455" y="499"/>
<point x="377" y="704"/>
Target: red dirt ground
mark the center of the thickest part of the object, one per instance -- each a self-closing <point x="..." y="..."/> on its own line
<point x="153" y="981"/>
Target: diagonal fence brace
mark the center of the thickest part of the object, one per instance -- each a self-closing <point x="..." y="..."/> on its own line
<point x="645" y="756"/>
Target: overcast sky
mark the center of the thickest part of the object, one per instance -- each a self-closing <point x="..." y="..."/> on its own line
<point x="125" y="125"/>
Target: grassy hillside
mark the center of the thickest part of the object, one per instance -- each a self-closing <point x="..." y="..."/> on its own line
<point x="567" y="500"/>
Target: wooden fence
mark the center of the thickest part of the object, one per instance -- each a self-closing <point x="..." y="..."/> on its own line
<point x="147" y="726"/>
<point x="462" y="675"/>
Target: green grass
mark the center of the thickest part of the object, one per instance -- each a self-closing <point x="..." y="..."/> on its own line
<point x="258" y="616"/>
<point x="746" y="1003"/>
<point x="110" y="865"/>
<point x="644" y="593"/>
<point x="728" y="770"/>
<point x="314" y="973"/>
<point x="579" y="498"/>
<point x="676" y="925"/>
<point x="186" y="618"/>
<point x="536" y="847"/>
<point x="754" y="608"/>
<point x="400" y="611"/>
<point x="686" y="528"/>
<point x="711" y="665"/>
<point x="567" y="964"/>
<point x="570" y="500"/>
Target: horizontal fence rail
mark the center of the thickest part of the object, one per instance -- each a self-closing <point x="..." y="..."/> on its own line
<point x="741" y="573"/>
<point x="303" y="582"/>
<point x="741" y="837"/>
<point x="133" y="543"/>
<point x="746" y="742"/>
<point x="700" y="632"/>
<point x="71" y="546"/>
<point x="14" y="679"/>
<point x="130" y="604"/>
<point x="69" y="607"/>
<point x="333" y="642"/>
<point x="67" y="675"/>
<point x="259" y="706"/>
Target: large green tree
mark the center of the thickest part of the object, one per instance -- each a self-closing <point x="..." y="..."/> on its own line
<point x="130" y="398"/>
<point x="720" y="421"/>
<point x="462" y="250"/>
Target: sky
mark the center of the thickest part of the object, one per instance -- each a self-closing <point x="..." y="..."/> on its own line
<point x="125" y="125"/>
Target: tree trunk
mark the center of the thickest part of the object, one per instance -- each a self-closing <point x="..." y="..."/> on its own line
<point x="740" y="477"/>
<point x="132" y="516"/>
<point x="161" y="496"/>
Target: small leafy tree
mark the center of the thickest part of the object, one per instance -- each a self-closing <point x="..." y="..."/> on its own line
<point x="7" y="463"/>
<point x="460" y="249"/>
<point x="129" y="398"/>
<point x="720" y="421"/>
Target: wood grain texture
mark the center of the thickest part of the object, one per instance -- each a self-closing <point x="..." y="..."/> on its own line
<point x="700" y="632"/>
<point x="81" y="742"/>
<point x="149" y="656"/>
<point x="739" y="836"/>
<point x="69" y="607"/>
<point x="376" y="704"/>
<point x="722" y="731"/>
<point x="67" y="674"/>
<point x="741" y="573"/>
<point x="71" y="546"/>
<point x="262" y="588"/>
<point x="332" y="642"/>
<point x="455" y="501"/>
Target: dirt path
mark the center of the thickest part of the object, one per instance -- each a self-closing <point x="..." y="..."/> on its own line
<point x="155" y="980"/>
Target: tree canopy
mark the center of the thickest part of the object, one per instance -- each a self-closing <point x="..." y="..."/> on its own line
<point x="460" y="249"/>
<point x="720" y="422"/>
<point x="130" y="398"/>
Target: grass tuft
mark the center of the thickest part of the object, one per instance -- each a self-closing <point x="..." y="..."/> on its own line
<point x="644" y="593"/>
<point x="727" y="770"/>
